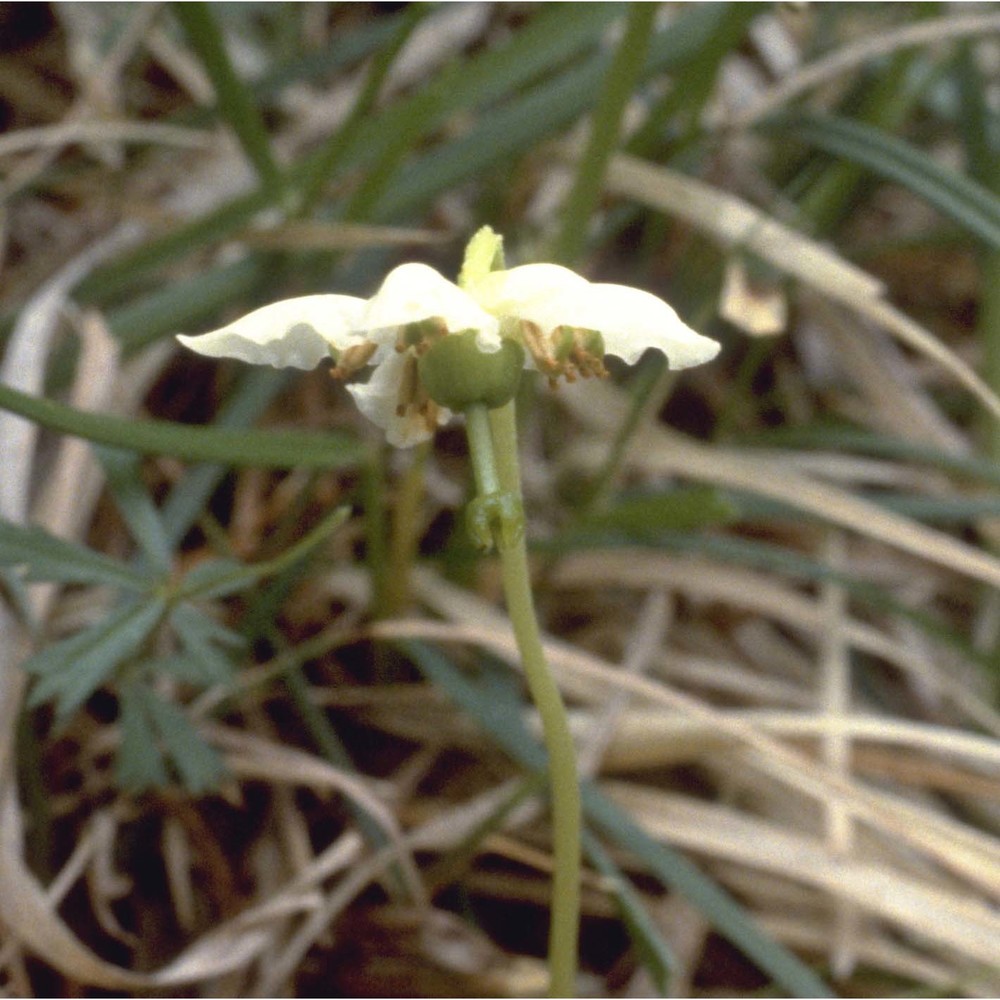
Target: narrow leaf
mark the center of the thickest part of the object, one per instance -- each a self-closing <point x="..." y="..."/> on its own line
<point x="219" y="578"/>
<point x="963" y="200"/>
<point x="653" y="951"/>
<point x="235" y="102"/>
<point x="275" y="449"/>
<point x="200" y="639"/>
<point x="503" y="723"/>
<point x="647" y="516"/>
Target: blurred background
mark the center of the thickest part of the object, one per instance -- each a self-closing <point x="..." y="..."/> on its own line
<point x="262" y="727"/>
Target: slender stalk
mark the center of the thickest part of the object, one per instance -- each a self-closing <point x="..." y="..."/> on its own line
<point x="404" y="537"/>
<point x="563" y="776"/>
<point x="492" y="436"/>
<point x="481" y="451"/>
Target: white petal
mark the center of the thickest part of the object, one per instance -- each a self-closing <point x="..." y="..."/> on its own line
<point x="377" y="399"/>
<point x="527" y="291"/>
<point x="415" y="292"/>
<point x="630" y="320"/>
<point x="293" y="333"/>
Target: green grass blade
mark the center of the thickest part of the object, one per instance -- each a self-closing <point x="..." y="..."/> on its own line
<point x="132" y="267"/>
<point x="653" y="951"/>
<point x="959" y="198"/>
<point x="622" y="76"/>
<point x="124" y="477"/>
<point x="528" y="118"/>
<point x="252" y="393"/>
<point x="272" y="449"/>
<point x="679" y="110"/>
<point x="186" y="306"/>
<point x="222" y="577"/>
<point x="325" y="162"/>
<point x="836" y="438"/>
<point x="235" y="103"/>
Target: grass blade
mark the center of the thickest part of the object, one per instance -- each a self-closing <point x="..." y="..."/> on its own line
<point x="622" y="76"/>
<point x="235" y="102"/>
<point x="275" y="449"/>
<point x="957" y="197"/>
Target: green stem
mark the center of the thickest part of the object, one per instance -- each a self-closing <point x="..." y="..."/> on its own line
<point x="563" y="776"/>
<point x="484" y="470"/>
<point x="492" y="438"/>
<point x="404" y="536"/>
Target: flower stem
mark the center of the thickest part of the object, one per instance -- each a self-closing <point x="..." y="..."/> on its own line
<point x="498" y="518"/>
<point x="404" y="537"/>
<point x="564" y="928"/>
<point x="484" y="467"/>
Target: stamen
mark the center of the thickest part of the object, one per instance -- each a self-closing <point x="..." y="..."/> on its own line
<point x="409" y="385"/>
<point x="576" y="352"/>
<point x="422" y="335"/>
<point x="430" y="415"/>
<point x="538" y="347"/>
<point x="353" y="359"/>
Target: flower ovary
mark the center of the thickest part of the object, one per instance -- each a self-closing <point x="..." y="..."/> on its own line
<point x="457" y="374"/>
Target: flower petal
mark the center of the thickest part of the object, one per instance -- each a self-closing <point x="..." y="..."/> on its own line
<point x="630" y="320"/>
<point x="415" y="292"/>
<point x="378" y="398"/>
<point x="527" y="291"/>
<point x="293" y="333"/>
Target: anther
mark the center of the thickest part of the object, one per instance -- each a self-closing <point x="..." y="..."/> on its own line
<point x="353" y="359"/>
<point x="408" y="386"/>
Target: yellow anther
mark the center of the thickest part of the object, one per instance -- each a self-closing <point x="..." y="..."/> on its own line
<point x="353" y="359"/>
<point x="409" y="386"/>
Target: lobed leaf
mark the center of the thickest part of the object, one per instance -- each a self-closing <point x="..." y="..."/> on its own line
<point x="199" y="765"/>
<point x="46" y="557"/>
<point x="70" y="671"/>
<point x="124" y="477"/>
<point x="200" y="638"/>
<point x="139" y="763"/>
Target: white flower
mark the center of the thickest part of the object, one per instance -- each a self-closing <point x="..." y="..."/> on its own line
<point x="564" y="322"/>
